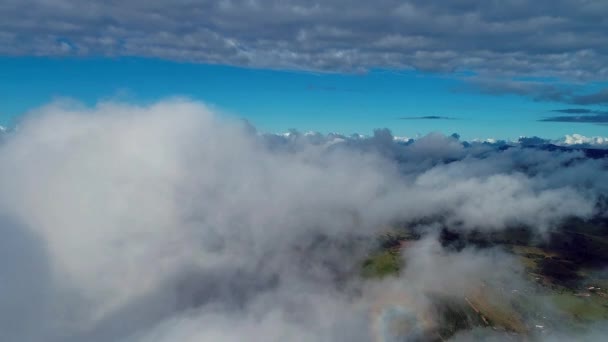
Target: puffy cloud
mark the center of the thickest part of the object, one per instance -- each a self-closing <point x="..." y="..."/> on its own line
<point x="166" y="222"/>
<point x="578" y="139"/>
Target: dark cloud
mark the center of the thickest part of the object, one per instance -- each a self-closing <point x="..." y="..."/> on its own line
<point x="532" y="141"/>
<point x="582" y="115"/>
<point x="559" y="38"/>
<point x="600" y="97"/>
<point x="599" y="118"/>
<point x="574" y="111"/>
<point x="538" y="90"/>
<point x="428" y="117"/>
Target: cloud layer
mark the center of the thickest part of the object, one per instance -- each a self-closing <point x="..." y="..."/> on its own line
<point x="167" y="222"/>
<point x="564" y="38"/>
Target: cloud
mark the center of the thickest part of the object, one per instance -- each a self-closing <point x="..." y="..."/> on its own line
<point x="579" y="111"/>
<point x="538" y="91"/>
<point x="599" y="118"/>
<point x="428" y="117"/>
<point x="599" y="97"/>
<point x="578" y="139"/>
<point x="564" y="38"/>
<point x="168" y="222"/>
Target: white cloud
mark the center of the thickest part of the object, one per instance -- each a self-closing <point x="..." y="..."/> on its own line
<point x="166" y="222"/>
<point x="578" y="139"/>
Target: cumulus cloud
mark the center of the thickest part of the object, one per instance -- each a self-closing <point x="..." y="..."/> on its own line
<point x="564" y="39"/>
<point x="579" y="139"/>
<point x="167" y="222"/>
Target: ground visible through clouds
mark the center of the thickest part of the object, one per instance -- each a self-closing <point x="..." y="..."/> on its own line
<point x="167" y="222"/>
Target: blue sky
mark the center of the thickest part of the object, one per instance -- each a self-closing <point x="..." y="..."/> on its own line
<point x="494" y="68"/>
<point x="275" y="100"/>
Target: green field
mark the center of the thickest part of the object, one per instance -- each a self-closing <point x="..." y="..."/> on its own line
<point x="561" y="269"/>
<point x="382" y="264"/>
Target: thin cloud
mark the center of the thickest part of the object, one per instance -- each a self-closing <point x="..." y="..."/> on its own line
<point x="578" y="111"/>
<point x="599" y="97"/>
<point x="537" y="91"/>
<point x="427" y="117"/>
<point x="599" y="118"/>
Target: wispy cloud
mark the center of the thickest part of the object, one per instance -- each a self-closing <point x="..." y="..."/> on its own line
<point x="538" y="91"/>
<point x="427" y="117"/>
<point x="579" y="111"/>
<point x="603" y="118"/>
<point x="580" y="115"/>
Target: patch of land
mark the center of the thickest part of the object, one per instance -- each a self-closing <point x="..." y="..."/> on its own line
<point x="567" y="269"/>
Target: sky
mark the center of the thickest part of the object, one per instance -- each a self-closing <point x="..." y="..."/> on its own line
<point x="482" y="69"/>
